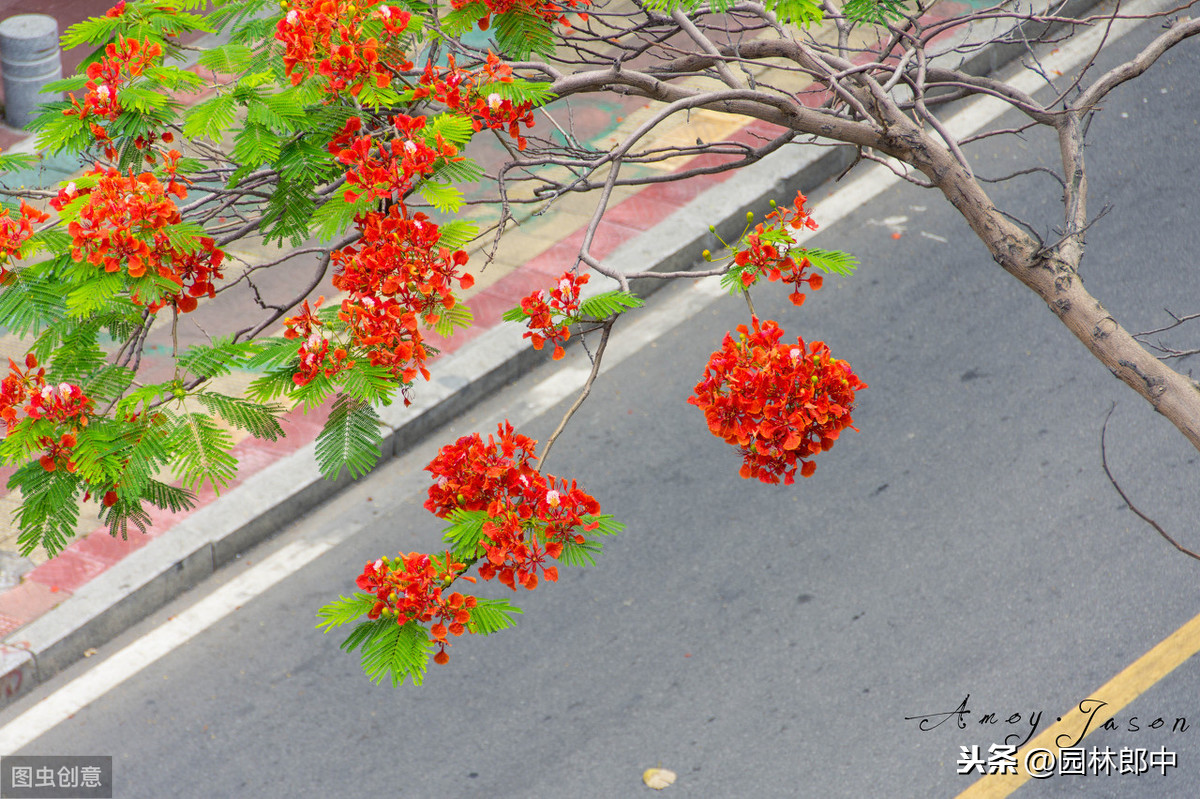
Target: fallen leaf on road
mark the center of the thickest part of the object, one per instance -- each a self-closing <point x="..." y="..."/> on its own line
<point x="658" y="778"/>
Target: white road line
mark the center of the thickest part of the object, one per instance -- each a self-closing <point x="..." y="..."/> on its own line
<point x="88" y="687"/>
<point x="153" y="645"/>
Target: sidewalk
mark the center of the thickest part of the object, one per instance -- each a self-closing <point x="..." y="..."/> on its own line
<point x="53" y="611"/>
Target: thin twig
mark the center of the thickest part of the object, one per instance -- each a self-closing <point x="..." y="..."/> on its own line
<point x="1132" y="507"/>
<point x="587" y="389"/>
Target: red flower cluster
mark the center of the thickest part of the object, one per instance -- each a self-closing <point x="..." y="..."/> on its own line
<point x="410" y="587"/>
<point x="772" y="260"/>
<point x="14" y="232"/>
<point x="397" y="273"/>
<point x="121" y="227"/>
<point x="61" y="404"/>
<point x="546" y="9"/>
<point x="550" y="314"/>
<point x="387" y="171"/>
<point x="779" y="404"/>
<point x="332" y="38"/>
<point x="531" y="516"/>
<point x="399" y="256"/>
<point x="105" y="76"/>
<point x="389" y="333"/>
<point x="315" y="356"/>
<point x="462" y="90"/>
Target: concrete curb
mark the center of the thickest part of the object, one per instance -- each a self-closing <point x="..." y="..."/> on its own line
<point x="269" y="500"/>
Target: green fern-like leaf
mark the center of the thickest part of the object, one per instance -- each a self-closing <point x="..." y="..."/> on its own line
<point x="828" y="261"/>
<point x="143" y="100"/>
<point x="452" y="319"/>
<point x="107" y="383"/>
<point x="210" y="118"/>
<point x="457" y="233"/>
<point x="217" y="359"/>
<point x="78" y="355"/>
<point x="271" y="386"/>
<point x="580" y="554"/>
<point x="272" y="353"/>
<point x="797" y="12"/>
<point x="398" y="653"/>
<point x="874" y="12"/>
<point x="464" y="533"/>
<point x="96" y="294"/>
<point x="31" y="300"/>
<point x="605" y="524"/>
<point x="255" y="145"/>
<point x="91" y="31"/>
<point x="228" y="59"/>
<point x="303" y="160"/>
<point x="49" y="507"/>
<point x="332" y="218"/>
<point x="124" y="517"/>
<point x="520" y="91"/>
<point x="492" y="615"/>
<point x="281" y="112"/>
<point x="350" y="438"/>
<point x="376" y="97"/>
<point x="521" y="34"/>
<point x="287" y="214"/>
<point x="138" y="400"/>
<point x="368" y="383"/>
<point x="454" y="128"/>
<point x="464" y="171"/>
<point x="445" y="197"/>
<point x="258" y="419"/>
<point x="461" y="20"/>
<point x="168" y="497"/>
<point x="610" y="303"/>
<point x="202" y="452"/>
<point x="364" y="632"/>
<point x="344" y="610"/>
<point x="15" y="162"/>
<point x="515" y="315"/>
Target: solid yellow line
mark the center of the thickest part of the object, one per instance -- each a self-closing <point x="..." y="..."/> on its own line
<point x="1118" y="692"/>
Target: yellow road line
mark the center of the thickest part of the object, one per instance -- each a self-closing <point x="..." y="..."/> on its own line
<point x="1118" y="692"/>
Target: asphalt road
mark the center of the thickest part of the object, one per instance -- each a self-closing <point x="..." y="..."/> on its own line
<point x="965" y="546"/>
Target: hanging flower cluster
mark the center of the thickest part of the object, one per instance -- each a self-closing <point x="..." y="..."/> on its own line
<point x="531" y="516"/>
<point x="779" y="404"/>
<point x="14" y="233"/>
<point x="551" y="313"/>
<point x="387" y="171"/>
<point x="315" y="355"/>
<point x="411" y="587"/>
<point x="342" y="42"/>
<point x="766" y="251"/>
<point x="474" y="95"/>
<point x="122" y="60"/>
<point x="397" y="273"/>
<point x="63" y="405"/>
<point x="121" y="226"/>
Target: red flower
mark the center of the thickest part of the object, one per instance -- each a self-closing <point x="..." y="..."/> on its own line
<point x="14" y="233"/>
<point x="766" y="251"/>
<point x="121" y="224"/>
<point x="327" y="37"/>
<point x="550" y="314"/>
<point x="778" y="404"/>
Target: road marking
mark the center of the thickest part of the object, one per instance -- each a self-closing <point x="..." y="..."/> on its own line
<point x="88" y="687"/>
<point x="1132" y="682"/>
